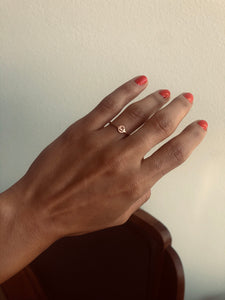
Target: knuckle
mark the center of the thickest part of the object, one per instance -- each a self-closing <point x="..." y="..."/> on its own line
<point x="156" y="163"/>
<point x="163" y="123"/>
<point x="178" y="153"/>
<point x="76" y="130"/>
<point x="157" y="98"/>
<point x="129" y="87"/>
<point x="108" y="104"/>
<point x="194" y="130"/>
<point x="135" y="111"/>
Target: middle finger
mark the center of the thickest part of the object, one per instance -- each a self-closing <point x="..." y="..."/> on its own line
<point x="136" y="114"/>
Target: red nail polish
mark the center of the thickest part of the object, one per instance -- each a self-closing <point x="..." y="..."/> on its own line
<point x="203" y="124"/>
<point x="189" y="96"/>
<point x="165" y="93"/>
<point x="141" y="80"/>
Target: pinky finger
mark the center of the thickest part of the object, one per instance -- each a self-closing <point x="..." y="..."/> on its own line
<point x="174" y="152"/>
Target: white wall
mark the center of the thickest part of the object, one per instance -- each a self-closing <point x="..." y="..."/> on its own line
<point x="58" y="59"/>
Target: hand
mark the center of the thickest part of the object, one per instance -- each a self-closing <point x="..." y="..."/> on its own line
<point x="93" y="177"/>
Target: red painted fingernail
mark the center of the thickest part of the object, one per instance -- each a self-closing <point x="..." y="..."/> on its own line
<point x="165" y="93"/>
<point x="203" y="124"/>
<point x="189" y="96"/>
<point x="141" y="80"/>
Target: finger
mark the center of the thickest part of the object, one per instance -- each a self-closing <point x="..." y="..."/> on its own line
<point x="137" y="113"/>
<point x="112" y="104"/>
<point x="162" y="124"/>
<point x="173" y="153"/>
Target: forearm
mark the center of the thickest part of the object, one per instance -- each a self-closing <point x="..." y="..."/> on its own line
<point x="22" y="235"/>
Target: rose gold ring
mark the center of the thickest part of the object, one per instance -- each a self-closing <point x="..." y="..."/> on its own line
<point x="120" y="128"/>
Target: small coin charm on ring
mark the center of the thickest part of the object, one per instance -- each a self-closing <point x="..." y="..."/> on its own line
<point x="121" y="129"/>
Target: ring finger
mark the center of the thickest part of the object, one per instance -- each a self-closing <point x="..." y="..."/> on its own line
<point x="161" y="125"/>
<point x="136" y="114"/>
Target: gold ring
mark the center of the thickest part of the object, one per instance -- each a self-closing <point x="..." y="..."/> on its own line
<point x="120" y="128"/>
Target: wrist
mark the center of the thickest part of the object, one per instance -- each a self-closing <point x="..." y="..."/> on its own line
<point x="18" y="206"/>
<point x="23" y="233"/>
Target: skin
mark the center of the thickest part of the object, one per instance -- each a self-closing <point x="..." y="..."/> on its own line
<point x="92" y="177"/>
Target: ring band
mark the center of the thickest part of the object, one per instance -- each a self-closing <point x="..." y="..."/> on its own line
<point x="120" y="128"/>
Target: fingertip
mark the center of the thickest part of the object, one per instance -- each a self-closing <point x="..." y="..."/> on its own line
<point x="141" y="80"/>
<point x="165" y="94"/>
<point x="189" y="96"/>
<point x="203" y="124"/>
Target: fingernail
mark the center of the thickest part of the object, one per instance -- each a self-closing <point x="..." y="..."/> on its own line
<point x="141" y="80"/>
<point x="203" y="124"/>
<point x="189" y="96"/>
<point x="165" y="93"/>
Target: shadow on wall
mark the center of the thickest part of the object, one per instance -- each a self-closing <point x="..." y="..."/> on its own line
<point x="214" y="297"/>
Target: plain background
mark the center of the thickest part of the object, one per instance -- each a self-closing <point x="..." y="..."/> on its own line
<point x="58" y="59"/>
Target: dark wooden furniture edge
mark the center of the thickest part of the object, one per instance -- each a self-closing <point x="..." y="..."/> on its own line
<point x="148" y="224"/>
<point x="145" y="225"/>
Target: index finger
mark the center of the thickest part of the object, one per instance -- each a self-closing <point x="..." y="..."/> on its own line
<point x="113" y="103"/>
